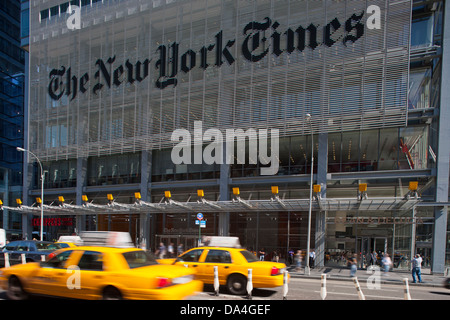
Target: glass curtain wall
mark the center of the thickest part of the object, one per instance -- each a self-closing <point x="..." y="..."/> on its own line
<point x="379" y="149"/>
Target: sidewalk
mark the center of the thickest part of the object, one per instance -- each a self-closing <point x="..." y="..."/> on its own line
<point x="393" y="277"/>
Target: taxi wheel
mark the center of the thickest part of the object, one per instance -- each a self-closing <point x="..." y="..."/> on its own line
<point x="237" y="284"/>
<point x="111" y="293"/>
<point x="15" y="289"/>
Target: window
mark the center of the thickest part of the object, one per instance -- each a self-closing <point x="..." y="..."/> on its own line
<point x="44" y="246"/>
<point x="191" y="256"/>
<point x="218" y="256"/>
<point x="23" y="246"/>
<point x="91" y="260"/>
<point x="11" y="246"/>
<point x="58" y="260"/>
<point x="422" y="31"/>
<point x="250" y="257"/>
<point x="137" y="259"/>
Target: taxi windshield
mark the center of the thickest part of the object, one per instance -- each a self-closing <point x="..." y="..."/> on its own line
<point x="250" y="257"/>
<point x="137" y="259"/>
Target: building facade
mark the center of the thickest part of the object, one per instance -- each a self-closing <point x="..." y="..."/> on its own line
<point x="12" y="79"/>
<point x="140" y="96"/>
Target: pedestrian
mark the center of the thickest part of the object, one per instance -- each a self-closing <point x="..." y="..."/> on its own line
<point x="262" y="254"/>
<point x="171" y="250"/>
<point x="374" y="258"/>
<point x="352" y="262"/>
<point x="312" y="258"/>
<point x="161" y="252"/>
<point x="275" y="256"/>
<point x="387" y="262"/>
<point x="290" y="256"/>
<point x="298" y="260"/>
<point x="180" y="249"/>
<point x="416" y="264"/>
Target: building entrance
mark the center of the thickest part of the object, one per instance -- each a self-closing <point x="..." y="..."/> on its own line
<point x="179" y="243"/>
<point x="366" y="247"/>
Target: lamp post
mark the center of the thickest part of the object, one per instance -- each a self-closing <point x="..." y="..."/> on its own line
<point x="308" y="241"/>
<point x="42" y="189"/>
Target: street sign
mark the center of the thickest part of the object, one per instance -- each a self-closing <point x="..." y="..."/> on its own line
<point x="202" y="224"/>
<point x="200" y="216"/>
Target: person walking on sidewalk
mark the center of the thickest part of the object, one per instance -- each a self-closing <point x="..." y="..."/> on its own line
<point x="298" y="260"/>
<point x="387" y="262"/>
<point x="416" y="264"/>
<point x="353" y="263"/>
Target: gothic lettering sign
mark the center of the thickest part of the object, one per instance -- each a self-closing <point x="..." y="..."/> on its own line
<point x="256" y="46"/>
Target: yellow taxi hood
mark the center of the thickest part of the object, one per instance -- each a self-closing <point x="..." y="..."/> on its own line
<point x="166" y="271"/>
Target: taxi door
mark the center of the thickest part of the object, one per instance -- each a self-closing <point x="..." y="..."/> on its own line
<point x="90" y="274"/>
<point x="191" y="259"/>
<point x="51" y="277"/>
<point x="221" y="258"/>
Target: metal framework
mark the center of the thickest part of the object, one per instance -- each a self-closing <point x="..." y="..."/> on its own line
<point x="238" y="204"/>
<point x="355" y="78"/>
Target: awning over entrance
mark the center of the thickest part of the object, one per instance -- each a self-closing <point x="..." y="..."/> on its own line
<point x="236" y="205"/>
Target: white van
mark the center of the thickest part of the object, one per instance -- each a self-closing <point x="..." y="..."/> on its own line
<point x="2" y="238"/>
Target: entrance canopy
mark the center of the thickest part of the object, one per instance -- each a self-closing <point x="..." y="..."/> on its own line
<point x="238" y="204"/>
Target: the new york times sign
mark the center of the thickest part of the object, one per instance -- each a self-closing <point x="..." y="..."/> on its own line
<point x="261" y="38"/>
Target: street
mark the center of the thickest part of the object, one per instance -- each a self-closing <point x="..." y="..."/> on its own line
<point x="309" y="289"/>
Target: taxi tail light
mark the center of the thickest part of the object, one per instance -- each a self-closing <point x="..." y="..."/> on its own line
<point x="274" y="271"/>
<point x="51" y="255"/>
<point x="163" y="282"/>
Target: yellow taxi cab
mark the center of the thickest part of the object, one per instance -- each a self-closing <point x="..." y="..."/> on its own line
<point x="100" y="273"/>
<point x="233" y="265"/>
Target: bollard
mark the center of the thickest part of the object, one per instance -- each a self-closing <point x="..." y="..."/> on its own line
<point x="323" y="286"/>
<point x="249" y="284"/>
<point x="7" y="265"/>
<point x="285" y="285"/>
<point x="407" y="295"/>
<point x="216" y="281"/>
<point x="43" y="258"/>
<point x="358" y="288"/>
<point x="24" y="260"/>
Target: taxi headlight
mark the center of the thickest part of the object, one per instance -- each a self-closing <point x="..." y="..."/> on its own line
<point x="183" y="279"/>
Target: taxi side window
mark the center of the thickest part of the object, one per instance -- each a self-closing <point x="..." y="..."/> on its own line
<point x="218" y="256"/>
<point x="57" y="261"/>
<point x="91" y="260"/>
<point x="191" y="256"/>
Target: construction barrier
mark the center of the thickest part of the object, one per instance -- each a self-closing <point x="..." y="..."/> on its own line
<point x="216" y="280"/>
<point x="358" y="289"/>
<point x="249" y="284"/>
<point x="7" y="265"/>
<point x="285" y="284"/>
<point x="407" y="295"/>
<point x="323" y="286"/>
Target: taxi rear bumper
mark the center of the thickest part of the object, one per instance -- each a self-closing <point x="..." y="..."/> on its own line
<point x="175" y="292"/>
